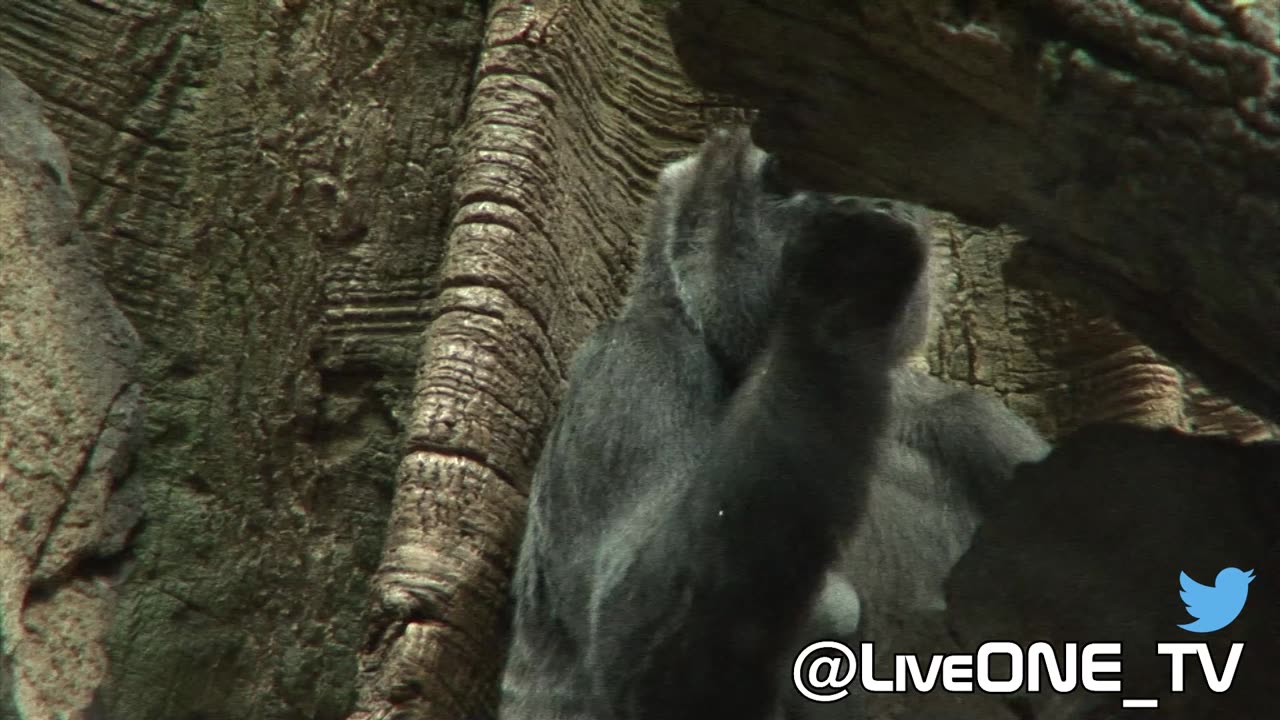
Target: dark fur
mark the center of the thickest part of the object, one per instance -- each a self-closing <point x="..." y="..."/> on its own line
<point x="712" y="452"/>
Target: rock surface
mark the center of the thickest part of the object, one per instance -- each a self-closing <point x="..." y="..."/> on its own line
<point x="69" y="415"/>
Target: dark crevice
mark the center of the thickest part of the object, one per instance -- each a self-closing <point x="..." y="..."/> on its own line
<point x="112" y="568"/>
<point x="479" y="457"/>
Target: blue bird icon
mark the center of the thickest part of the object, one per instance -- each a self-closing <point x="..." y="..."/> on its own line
<point x="1215" y="606"/>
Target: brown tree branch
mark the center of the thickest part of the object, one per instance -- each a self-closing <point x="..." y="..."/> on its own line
<point x="1134" y="141"/>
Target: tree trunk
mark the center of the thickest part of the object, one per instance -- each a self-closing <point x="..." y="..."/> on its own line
<point x="574" y="107"/>
<point x="282" y="197"/>
<point x="266" y="186"/>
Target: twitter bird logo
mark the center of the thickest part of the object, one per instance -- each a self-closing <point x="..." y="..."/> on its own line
<point x="1215" y="606"/>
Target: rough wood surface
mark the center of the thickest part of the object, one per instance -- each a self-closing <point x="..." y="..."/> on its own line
<point x="266" y="186"/>
<point x="1134" y="141"/>
<point x="574" y="108"/>
<point x="69" y="419"/>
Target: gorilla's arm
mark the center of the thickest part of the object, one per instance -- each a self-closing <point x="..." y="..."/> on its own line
<point x="691" y="528"/>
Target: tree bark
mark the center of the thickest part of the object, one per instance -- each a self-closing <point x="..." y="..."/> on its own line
<point x="1133" y="141"/>
<point x="265" y="186"/>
